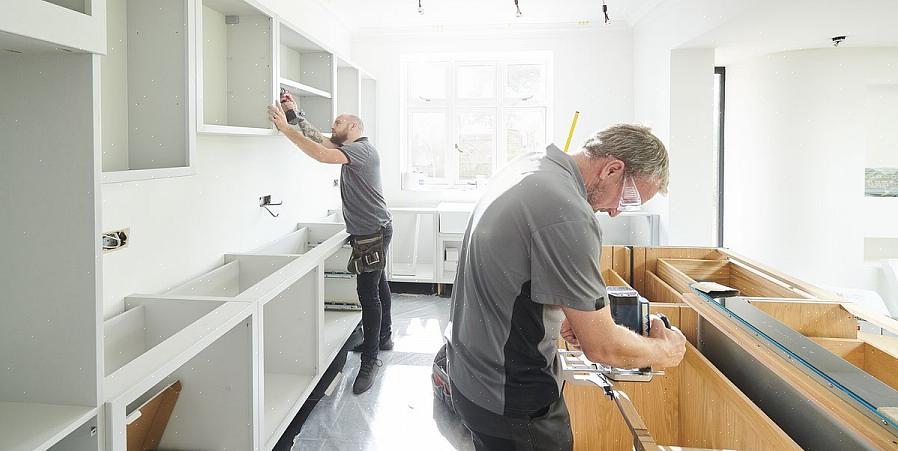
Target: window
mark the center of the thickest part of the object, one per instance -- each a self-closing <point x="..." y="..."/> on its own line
<point x="465" y="116"/>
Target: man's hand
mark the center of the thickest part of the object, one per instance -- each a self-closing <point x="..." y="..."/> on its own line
<point x="568" y="334"/>
<point x="671" y="342"/>
<point x="278" y="117"/>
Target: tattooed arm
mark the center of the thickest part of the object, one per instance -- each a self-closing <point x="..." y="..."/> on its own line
<point x="312" y="148"/>
<point x="314" y="134"/>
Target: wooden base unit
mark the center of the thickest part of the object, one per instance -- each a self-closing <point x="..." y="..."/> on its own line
<point x="697" y="406"/>
<point x="693" y="405"/>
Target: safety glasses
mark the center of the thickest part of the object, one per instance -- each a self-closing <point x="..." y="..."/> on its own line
<point x="629" y="196"/>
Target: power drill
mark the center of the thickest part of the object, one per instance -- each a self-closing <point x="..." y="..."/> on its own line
<point x="631" y="310"/>
<point x="292" y="117"/>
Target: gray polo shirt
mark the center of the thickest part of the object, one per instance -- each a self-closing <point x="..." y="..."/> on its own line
<point x="531" y="246"/>
<point x="361" y="190"/>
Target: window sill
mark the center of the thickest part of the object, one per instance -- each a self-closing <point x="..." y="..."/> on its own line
<point x="434" y="188"/>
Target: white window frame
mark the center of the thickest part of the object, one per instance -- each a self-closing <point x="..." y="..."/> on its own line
<point x="453" y="106"/>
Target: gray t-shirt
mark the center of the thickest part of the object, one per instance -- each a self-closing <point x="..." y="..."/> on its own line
<point x="361" y="190"/>
<point x="531" y="246"/>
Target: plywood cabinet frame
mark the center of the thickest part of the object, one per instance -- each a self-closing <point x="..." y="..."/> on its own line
<point x="664" y="274"/>
<point x="692" y="405"/>
<point x="825" y="400"/>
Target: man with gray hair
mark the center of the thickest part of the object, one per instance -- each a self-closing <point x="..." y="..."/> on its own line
<point x="368" y="222"/>
<point x="529" y="272"/>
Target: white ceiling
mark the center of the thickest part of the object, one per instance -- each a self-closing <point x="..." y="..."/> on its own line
<point x="403" y="14"/>
<point x="774" y="26"/>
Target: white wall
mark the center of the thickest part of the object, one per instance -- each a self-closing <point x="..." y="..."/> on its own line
<point x="692" y="217"/>
<point x="593" y="73"/>
<point x="671" y="25"/>
<point x="796" y="141"/>
<point x="181" y="227"/>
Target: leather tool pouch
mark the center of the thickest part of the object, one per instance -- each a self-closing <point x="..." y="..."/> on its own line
<point x="367" y="253"/>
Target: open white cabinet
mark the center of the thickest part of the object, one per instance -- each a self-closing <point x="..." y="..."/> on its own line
<point x="209" y="346"/>
<point x="413" y="260"/>
<point x="432" y="254"/>
<point x="49" y="330"/>
<point x="148" y="117"/>
<point x="237" y="68"/>
<point x="369" y="105"/>
<point x="59" y="25"/>
<point x="307" y="71"/>
<point x="247" y="340"/>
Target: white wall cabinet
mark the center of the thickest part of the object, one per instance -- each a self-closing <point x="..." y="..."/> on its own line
<point x="148" y="116"/>
<point x="308" y="71"/>
<point x="60" y="25"/>
<point x="236" y="75"/>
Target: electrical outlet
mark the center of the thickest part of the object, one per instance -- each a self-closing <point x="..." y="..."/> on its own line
<point x="115" y="239"/>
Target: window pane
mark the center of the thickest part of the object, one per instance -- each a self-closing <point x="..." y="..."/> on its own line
<point x="525" y="82"/>
<point x="525" y="132"/>
<point x="427" y="81"/>
<point x="427" y="143"/>
<point x="476" y="144"/>
<point x="476" y="82"/>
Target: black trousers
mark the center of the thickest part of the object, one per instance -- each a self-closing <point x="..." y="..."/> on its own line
<point x="374" y="295"/>
<point x="548" y="429"/>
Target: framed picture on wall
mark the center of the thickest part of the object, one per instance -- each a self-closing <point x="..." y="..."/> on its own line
<point x="881" y="182"/>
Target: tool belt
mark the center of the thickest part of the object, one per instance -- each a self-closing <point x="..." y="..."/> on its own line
<point x="367" y="253"/>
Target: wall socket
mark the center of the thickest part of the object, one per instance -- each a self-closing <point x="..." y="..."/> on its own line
<point x="115" y="240"/>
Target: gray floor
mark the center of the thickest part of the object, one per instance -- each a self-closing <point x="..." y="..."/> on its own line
<point x="399" y="412"/>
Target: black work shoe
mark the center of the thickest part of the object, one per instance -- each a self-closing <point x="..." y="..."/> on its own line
<point x="365" y="379"/>
<point x="386" y="344"/>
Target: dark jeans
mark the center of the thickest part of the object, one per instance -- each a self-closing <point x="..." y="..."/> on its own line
<point x="374" y="295"/>
<point x="548" y="429"/>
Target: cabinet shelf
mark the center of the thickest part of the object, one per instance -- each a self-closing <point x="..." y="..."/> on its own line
<point x="407" y="272"/>
<point x="208" y="129"/>
<point x="338" y="326"/>
<point x="284" y="395"/>
<point x="303" y="90"/>
<point x="28" y="426"/>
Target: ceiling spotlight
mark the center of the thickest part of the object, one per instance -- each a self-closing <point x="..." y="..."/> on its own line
<point x="518" y="8"/>
<point x="420" y="8"/>
<point x="605" y="11"/>
<point x="838" y="40"/>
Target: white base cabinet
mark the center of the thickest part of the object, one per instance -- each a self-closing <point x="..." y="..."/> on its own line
<point x="248" y="341"/>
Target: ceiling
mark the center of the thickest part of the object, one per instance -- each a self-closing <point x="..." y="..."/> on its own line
<point x="403" y="14"/>
<point x="775" y="26"/>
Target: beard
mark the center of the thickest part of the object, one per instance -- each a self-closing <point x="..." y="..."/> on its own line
<point x="592" y="195"/>
<point x="338" y="139"/>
